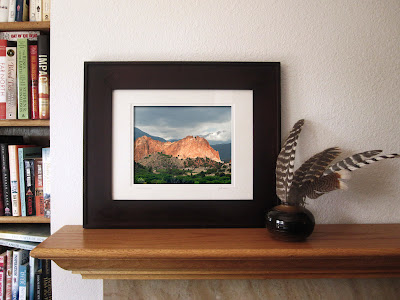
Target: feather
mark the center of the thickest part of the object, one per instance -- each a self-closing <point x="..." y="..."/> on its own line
<point x="285" y="162"/>
<point x="325" y="184"/>
<point x="375" y="159"/>
<point x="350" y="163"/>
<point x="310" y="171"/>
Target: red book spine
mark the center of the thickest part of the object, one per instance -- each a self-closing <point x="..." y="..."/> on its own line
<point x="3" y="78"/>
<point x="33" y="81"/>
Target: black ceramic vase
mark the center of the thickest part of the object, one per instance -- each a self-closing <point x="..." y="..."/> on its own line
<point x="290" y="223"/>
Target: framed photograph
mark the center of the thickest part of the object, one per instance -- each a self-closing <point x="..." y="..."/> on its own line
<point x="180" y="144"/>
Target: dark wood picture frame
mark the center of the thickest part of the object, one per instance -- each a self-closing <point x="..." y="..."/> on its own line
<point x="101" y="78"/>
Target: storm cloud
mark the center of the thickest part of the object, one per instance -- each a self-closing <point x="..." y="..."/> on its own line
<point x="176" y="122"/>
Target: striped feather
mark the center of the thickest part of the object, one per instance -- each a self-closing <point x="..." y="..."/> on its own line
<point x="285" y="162"/>
<point x="325" y="184"/>
<point x="375" y="159"/>
<point x="351" y="163"/>
<point x="320" y="165"/>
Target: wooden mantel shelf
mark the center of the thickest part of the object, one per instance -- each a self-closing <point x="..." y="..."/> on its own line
<point x="333" y="251"/>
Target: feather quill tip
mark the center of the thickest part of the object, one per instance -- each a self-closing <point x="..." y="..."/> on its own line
<point x="343" y="174"/>
<point x="343" y="186"/>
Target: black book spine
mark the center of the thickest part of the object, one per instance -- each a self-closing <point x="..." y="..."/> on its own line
<point x="5" y="176"/>
<point x="38" y="285"/>
<point x="30" y="187"/>
<point x="47" y="291"/>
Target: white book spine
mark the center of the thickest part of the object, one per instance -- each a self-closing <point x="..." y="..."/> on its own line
<point x="38" y="10"/>
<point x="32" y="11"/>
<point x="15" y="274"/>
<point x="4" y="10"/>
<point x="11" y="105"/>
<point x="14" y="179"/>
<point x="11" y="10"/>
<point x="46" y="10"/>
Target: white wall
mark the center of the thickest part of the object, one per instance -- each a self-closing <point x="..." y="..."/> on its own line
<point x="340" y="71"/>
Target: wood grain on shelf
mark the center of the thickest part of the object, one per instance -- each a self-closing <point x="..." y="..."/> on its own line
<point x="24" y="123"/>
<point x="20" y="26"/>
<point x="333" y="251"/>
<point x="26" y="220"/>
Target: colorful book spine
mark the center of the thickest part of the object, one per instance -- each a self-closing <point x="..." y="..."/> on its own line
<point x="44" y="76"/>
<point x="30" y="187"/>
<point x="22" y="76"/>
<point x="9" y="275"/>
<point x="13" y="36"/>
<point x="18" y="244"/>
<point x="39" y="187"/>
<point x="25" y="12"/>
<point x="3" y="78"/>
<point x="33" y="81"/>
<point x="46" y="181"/>
<point x="23" y="281"/>
<point x="11" y="105"/>
<point x="46" y="10"/>
<point x="25" y="153"/>
<point x="20" y="257"/>
<point x="11" y="11"/>
<point x="38" y="9"/>
<point x="5" y="176"/>
<point x="4" y="12"/>
<point x="3" y="274"/>
<point x="19" y="9"/>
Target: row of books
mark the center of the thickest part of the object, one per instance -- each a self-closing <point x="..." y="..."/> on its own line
<point x="25" y="179"/>
<point x="24" y="10"/>
<point x="24" y="75"/>
<point x="23" y="277"/>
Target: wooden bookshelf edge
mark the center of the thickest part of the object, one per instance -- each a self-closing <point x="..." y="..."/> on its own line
<point x="24" y="220"/>
<point x="333" y="251"/>
<point x="23" y="26"/>
<point x="24" y="123"/>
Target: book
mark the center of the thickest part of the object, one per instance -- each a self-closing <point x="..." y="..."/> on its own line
<point x="8" y="293"/>
<point x="20" y="232"/>
<point x="20" y="257"/>
<point x="32" y="11"/>
<point x="46" y="273"/>
<point x="44" y="76"/>
<point x="18" y="244"/>
<point x="33" y="80"/>
<point x="2" y="208"/>
<point x="11" y="60"/>
<point x="29" y="181"/>
<point x="14" y="178"/>
<point x="5" y="170"/>
<point x="39" y="200"/>
<point x="3" y="274"/>
<point x="13" y="36"/>
<point x="11" y="10"/>
<point x="25" y="153"/>
<point x="4" y="12"/>
<point x="46" y="10"/>
<point x="38" y="9"/>
<point x="39" y="285"/>
<point x="23" y="285"/>
<point x="22" y="78"/>
<point x="33" y="268"/>
<point x="3" y="78"/>
<point x="19" y="10"/>
<point x="46" y="161"/>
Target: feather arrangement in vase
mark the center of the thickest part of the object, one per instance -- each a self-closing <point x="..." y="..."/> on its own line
<point x="314" y="178"/>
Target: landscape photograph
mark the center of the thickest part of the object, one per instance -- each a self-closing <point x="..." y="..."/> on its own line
<point x="182" y="145"/>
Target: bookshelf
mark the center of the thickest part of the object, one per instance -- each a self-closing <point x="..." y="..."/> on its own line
<point x="33" y="131"/>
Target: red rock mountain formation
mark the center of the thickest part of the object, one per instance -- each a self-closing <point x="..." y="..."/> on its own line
<point x="188" y="147"/>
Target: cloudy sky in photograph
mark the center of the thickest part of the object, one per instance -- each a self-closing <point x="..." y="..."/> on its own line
<point x="177" y="122"/>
